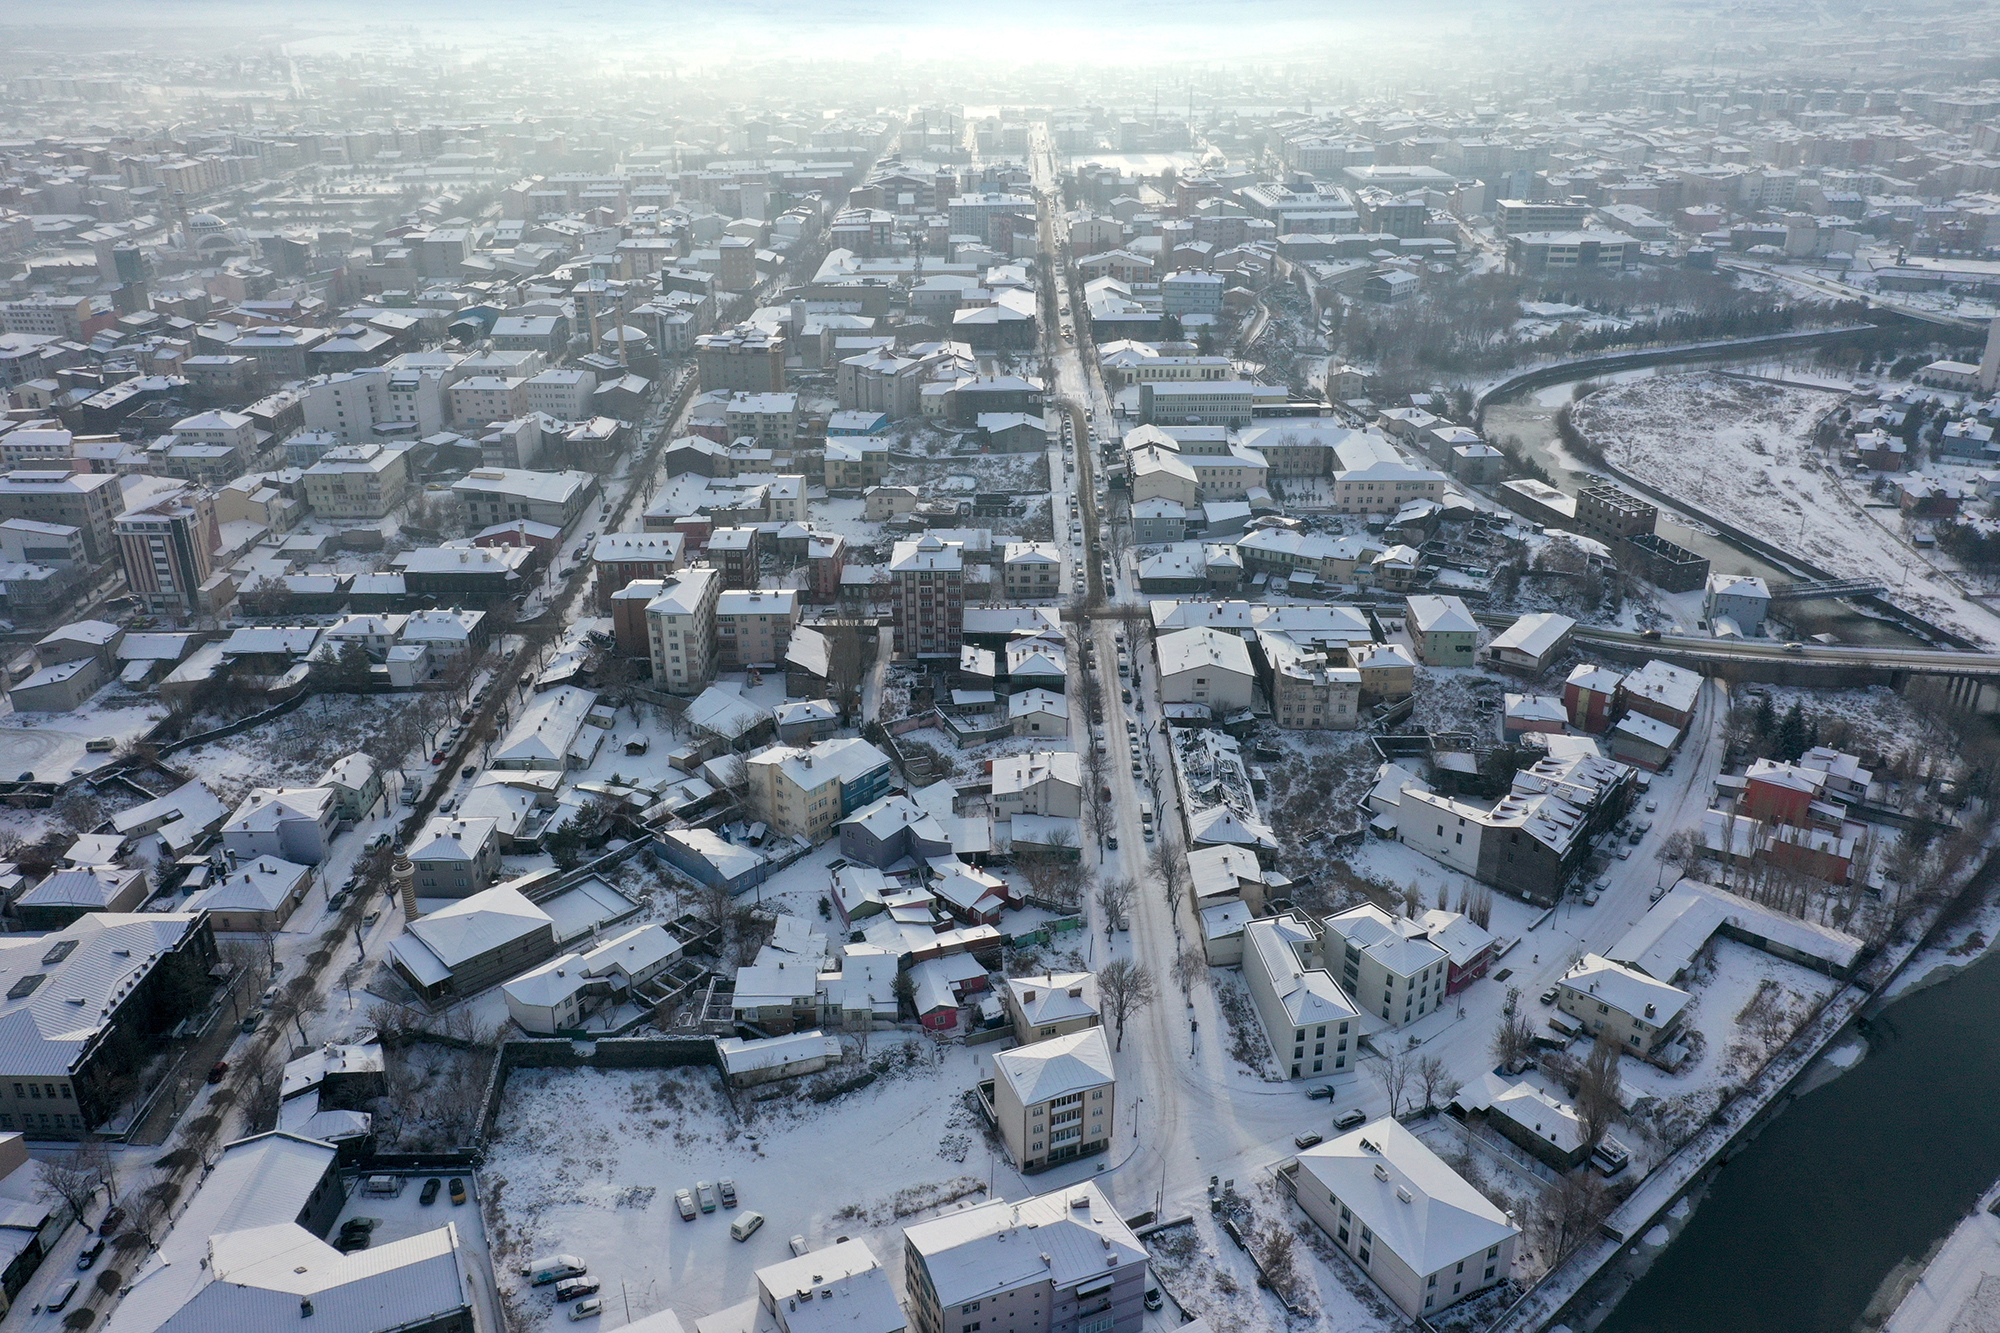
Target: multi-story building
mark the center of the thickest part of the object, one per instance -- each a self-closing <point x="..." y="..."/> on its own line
<point x="622" y="557"/>
<point x="1056" y="1100"/>
<point x="1442" y="630"/>
<point x="1534" y="252"/>
<point x="1032" y="569"/>
<point x="494" y="495"/>
<point x="1611" y="515"/>
<point x="744" y="359"/>
<point x="169" y="550"/>
<point x="1184" y="294"/>
<point x="927" y="581"/>
<point x="855" y="463"/>
<point x="455" y="858"/>
<point x="1311" y="1023"/>
<point x="483" y="398"/>
<point x="1197" y="402"/>
<point x="769" y="418"/>
<point x="737" y="553"/>
<point x="753" y="627"/>
<point x="975" y="1266"/>
<point x="805" y="792"/>
<point x="1308" y="693"/>
<point x="1513" y="216"/>
<point x="562" y="393"/>
<point x="358" y="481"/>
<point x="87" y="501"/>
<point x="1639" y="1013"/>
<point x="680" y="624"/>
<point x="1387" y="964"/>
<point x="1055" y="1004"/>
<point x="1425" y="1236"/>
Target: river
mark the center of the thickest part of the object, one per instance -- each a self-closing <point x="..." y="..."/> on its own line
<point x="1854" y="1177"/>
<point x="1530" y="418"/>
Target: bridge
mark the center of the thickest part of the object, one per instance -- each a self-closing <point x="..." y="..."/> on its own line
<point x="1812" y="591"/>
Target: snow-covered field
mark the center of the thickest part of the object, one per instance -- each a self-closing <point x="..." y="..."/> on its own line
<point x="1742" y="451"/>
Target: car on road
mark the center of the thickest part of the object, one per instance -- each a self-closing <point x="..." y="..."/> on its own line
<point x="1548" y="996"/>
<point x="1137" y="771"/>
<point x="217" y="1070"/>
<point x="112" y="1221"/>
<point x="1623" y="853"/>
<point x="430" y="1191"/>
<point x="727" y="1189"/>
<point x="468" y="770"/>
<point x="1321" y="1093"/>
<point x="251" y="1021"/>
<point x="457" y="1188"/>
<point x="367" y="919"/>
<point x="88" y="1255"/>
<point x="64" y="1294"/>
<point x="1350" y="1119"/>
<point x="1304" y="1141"/>
<point x="1111" y="841"/>
<point x="1590" y="897"/>
<point x="684" y="1200"/>
<point x="1652" y="807"/>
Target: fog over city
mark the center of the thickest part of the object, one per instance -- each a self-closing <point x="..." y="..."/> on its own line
<point x="1123" y="668"/>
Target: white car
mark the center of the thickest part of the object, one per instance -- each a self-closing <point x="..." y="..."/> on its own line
<point x="799" y="1246"/>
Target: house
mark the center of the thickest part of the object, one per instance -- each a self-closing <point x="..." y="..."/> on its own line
<point x="1468" y="945"/>
<point x="1442" y="630"/>
<point x="838" y="1289"/>
<point x="1532" y="713"/>
<point x="805" y="792"/>
<point x="253" y="897"/>
<point x="1642" y="741"/>
<point x="67" y="894"/>
<point x="1743" y="600"/>
<point x="248" y="1249"/>
<point x="82" y="1006"/>
<point x="30" y="1221"/>
<point x="1660" y="690"/>
<point x="1640" y="1013"/>
<point x="805" y="722"/>
<point x="1313" y="1027"/>
<point x="1095" y="1275"/>
<point x="454" y="858"/>
<point x="1205" y="666"/>
<point x="1042" y="782"/>
<point x="777" y="996"/>
<point x="295" y="823"/>
<point x="1031" y="569"/>
<point x="1590" y="697"/>
<point x="1532" y="643"/>
<point x="356" y="785"/>
<point x="1667" y="941"/>
<point x="890" y="830"/>
<point x="553" y="733"/>
<point x="1038" y="712"/>
<point x="1423" y="1235"/>
<point x="759" y="1060"/>
<point x="560" y="994"/>
<point x="709" y="858"/>
<point x="1055" y="1101"/>
<point x="477" y="942"/>
<point x="1052" y="1005"/>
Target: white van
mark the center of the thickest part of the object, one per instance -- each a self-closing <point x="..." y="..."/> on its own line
<point x="1145" y="812"/>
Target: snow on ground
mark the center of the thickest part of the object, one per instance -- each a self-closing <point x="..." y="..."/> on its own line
<point x="51" y="745"/>
<point x="587" y="1161"/>
<point x="293" y="750"/>
<point x="1747" y="1003"/>
<point x="1742" y="450"/>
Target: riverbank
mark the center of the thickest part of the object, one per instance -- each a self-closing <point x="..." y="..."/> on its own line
<point x="1958" y="1289"/>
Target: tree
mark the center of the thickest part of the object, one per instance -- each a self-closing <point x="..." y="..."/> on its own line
<point x="1791" y="741"/>
<point x="296" y="1003"/>
<point x="1767" y="716"/>
<point x="846" y="669"/>
<point x="1514" y="1036"/>
<point x="1435" y="1081"/>
<point x="1395" y="1068"/>
<point x="1597" y="1089"/>
<point x="905" y="990"/>
<point x="1680" y="851"/>
<point x="1567" y="1213"/>
<point x="73" y="1183"/>
<point x="343" y="672"/>
<point x="1170" y="867"/>
<point x="1126" y="988"/>
<point x="1114" y="899"/>
<point x="1190" y="965"/>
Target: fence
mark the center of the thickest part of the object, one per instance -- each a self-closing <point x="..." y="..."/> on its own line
<point x="241" y="724"/>
<point x="608" y="1053"/>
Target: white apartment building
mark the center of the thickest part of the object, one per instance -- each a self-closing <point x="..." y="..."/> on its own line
<point x="1313" y="1028"/>
<point x="1056" y="1100"/>
<point x="358" y="481"/>
<point x="680" y="631"/>
<point x="754" y="627"/>
<point x="1386" y="963"/>
<point x="484" y="398"/>
<point x="563" y="394"/>
<point x="1032" y="569"/>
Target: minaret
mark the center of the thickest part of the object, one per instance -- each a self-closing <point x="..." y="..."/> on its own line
<point x="1989" y="365"/>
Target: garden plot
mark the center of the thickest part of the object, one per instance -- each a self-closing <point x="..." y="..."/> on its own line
<point x="586" y="1162"/>
<point x="1746" y="1005"/>
<point x="1742" y="451"/>
<point x="296" y="749"/>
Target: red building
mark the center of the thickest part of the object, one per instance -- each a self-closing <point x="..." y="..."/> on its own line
<point x="1590" y="697"/>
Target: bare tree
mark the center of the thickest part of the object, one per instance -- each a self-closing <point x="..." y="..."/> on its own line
<point x="1169" y="865"/>
<point x="1680" y="851"/>
<point x="1435" y="1081"/>
<point x="1567" y="1213"/>
<point x="1114" y="899"/>
<point x="846" y="668"/>
<point x="1190" y="965"/>
<point x="1413" y="900"/>
<point x="1597" y="1089"/>
<point x="1514" y="1036"/>
<point x="296" y="1003"/>
<point x="72" y="1183"/>
<point x="1479" y="908"/>
<point x="1395" y="1069"/>
<point x="1126" y="988"/>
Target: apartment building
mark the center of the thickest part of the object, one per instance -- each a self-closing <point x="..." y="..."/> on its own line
<point x="1311" y="1023"/>
<point x="1031" y="569"/>
<point x="494" y="495"/>
<point x="769" y="418"/>
<point x="1611" y="515"/>
<point x="87" y="501"/>
<point x="1386" y="963"/>
<point x="744" y="359"/>
<point x="927" y="583"/>
<point x="977" y="1267"/>
<point x="680" y="631"/>
<point x="1640" y="1013"/>
<point x="562" y="393"/>
<point x="806" y="791"/>
<point x="358" y="481"/>
<point x="168" y="548"/>
<point x="483" y="398"/>
<point x="753" y="627"/>
<point x="1056" y="1100"/>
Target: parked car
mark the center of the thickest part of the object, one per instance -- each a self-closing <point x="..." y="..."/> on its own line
<point x="367" y="919"/>
<point x="1153" y="1299"/>
<point x="457" y="1190"/>
<point x="746" y="1226"/>
<point x="704" y="1194"/>
<point x="88" y="1255"/>
<point x="250" y="1023"/>
<point x="684" y="1200"/>
<point x="1548" y="996"/>
<point x="1304" y="1141"/>
<point x="430" y="1192"/>
<point x="727" y="1189"/>
<point x="112" y="1221"/>
<point x="1111" y="841"/>
<point x="799" y="1247"/>
<point x="1321" y="1093"/>
<point x="553" y="1268"/>
<point x="572" y="1287"/>
<point x="64" y="1294"/>
<point x="1350" y="1119"/>
<point x="587" y="1308"/>
<point x="217" y="1070"/>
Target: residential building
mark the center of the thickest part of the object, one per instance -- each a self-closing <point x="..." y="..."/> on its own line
<point x="1055" y="1004"/>
<point x="359" y="481"/>
<point x="560" y="994"/>
<point x="1041" y="782"/>
<point x="1308" y="693"/>
<point x="1736" y="603"/>
<point x="1205" y="666"/>
<point x="68" y="893"/>
<point x="1424" y="1236"/>
<point x="973" y="1266"/>
<point x="477" y="942"/>
<point x="927" y="581"/>
<point x="1531" y="643"/>
<point x="680" y="630"/>
<point x="562" y="393"/>
<point x="1611" y="515"/>
<point x="839" y="1289"/>
<point x="1387" y="963"/>
<point x="295" y="823"/>
<point x="1056" y="1100"/>
<point x="454" y="858"/>
<point x="806" y="792"/>
<point x="499" y="495"/>
<point x="168" y="546"/>
<point x="87" y="501"/>
<point x="743" y="359"/>
<point x="1639" y="1013"/>
<point x="480" y="399"/>
<point x="769" y="418"/>
<point x="1313" y="1026"/>
<point x="1031" y="569"/>
<point x="254" y="897"/>
<point x="1442" y="630"/>
<point x="81" y="1008"/>
<point x="754" y="627"/>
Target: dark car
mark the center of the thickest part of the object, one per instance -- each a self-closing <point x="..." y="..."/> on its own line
<point x="431" y="1188"/>
<point x="112" y="1221"/>
<point x="1321" y="1093"/>
<point x="457" y="1190"/>
<point x="468" y="770"/>
<point x="88" y="1255"/>
<point x="216" y="1072"/>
